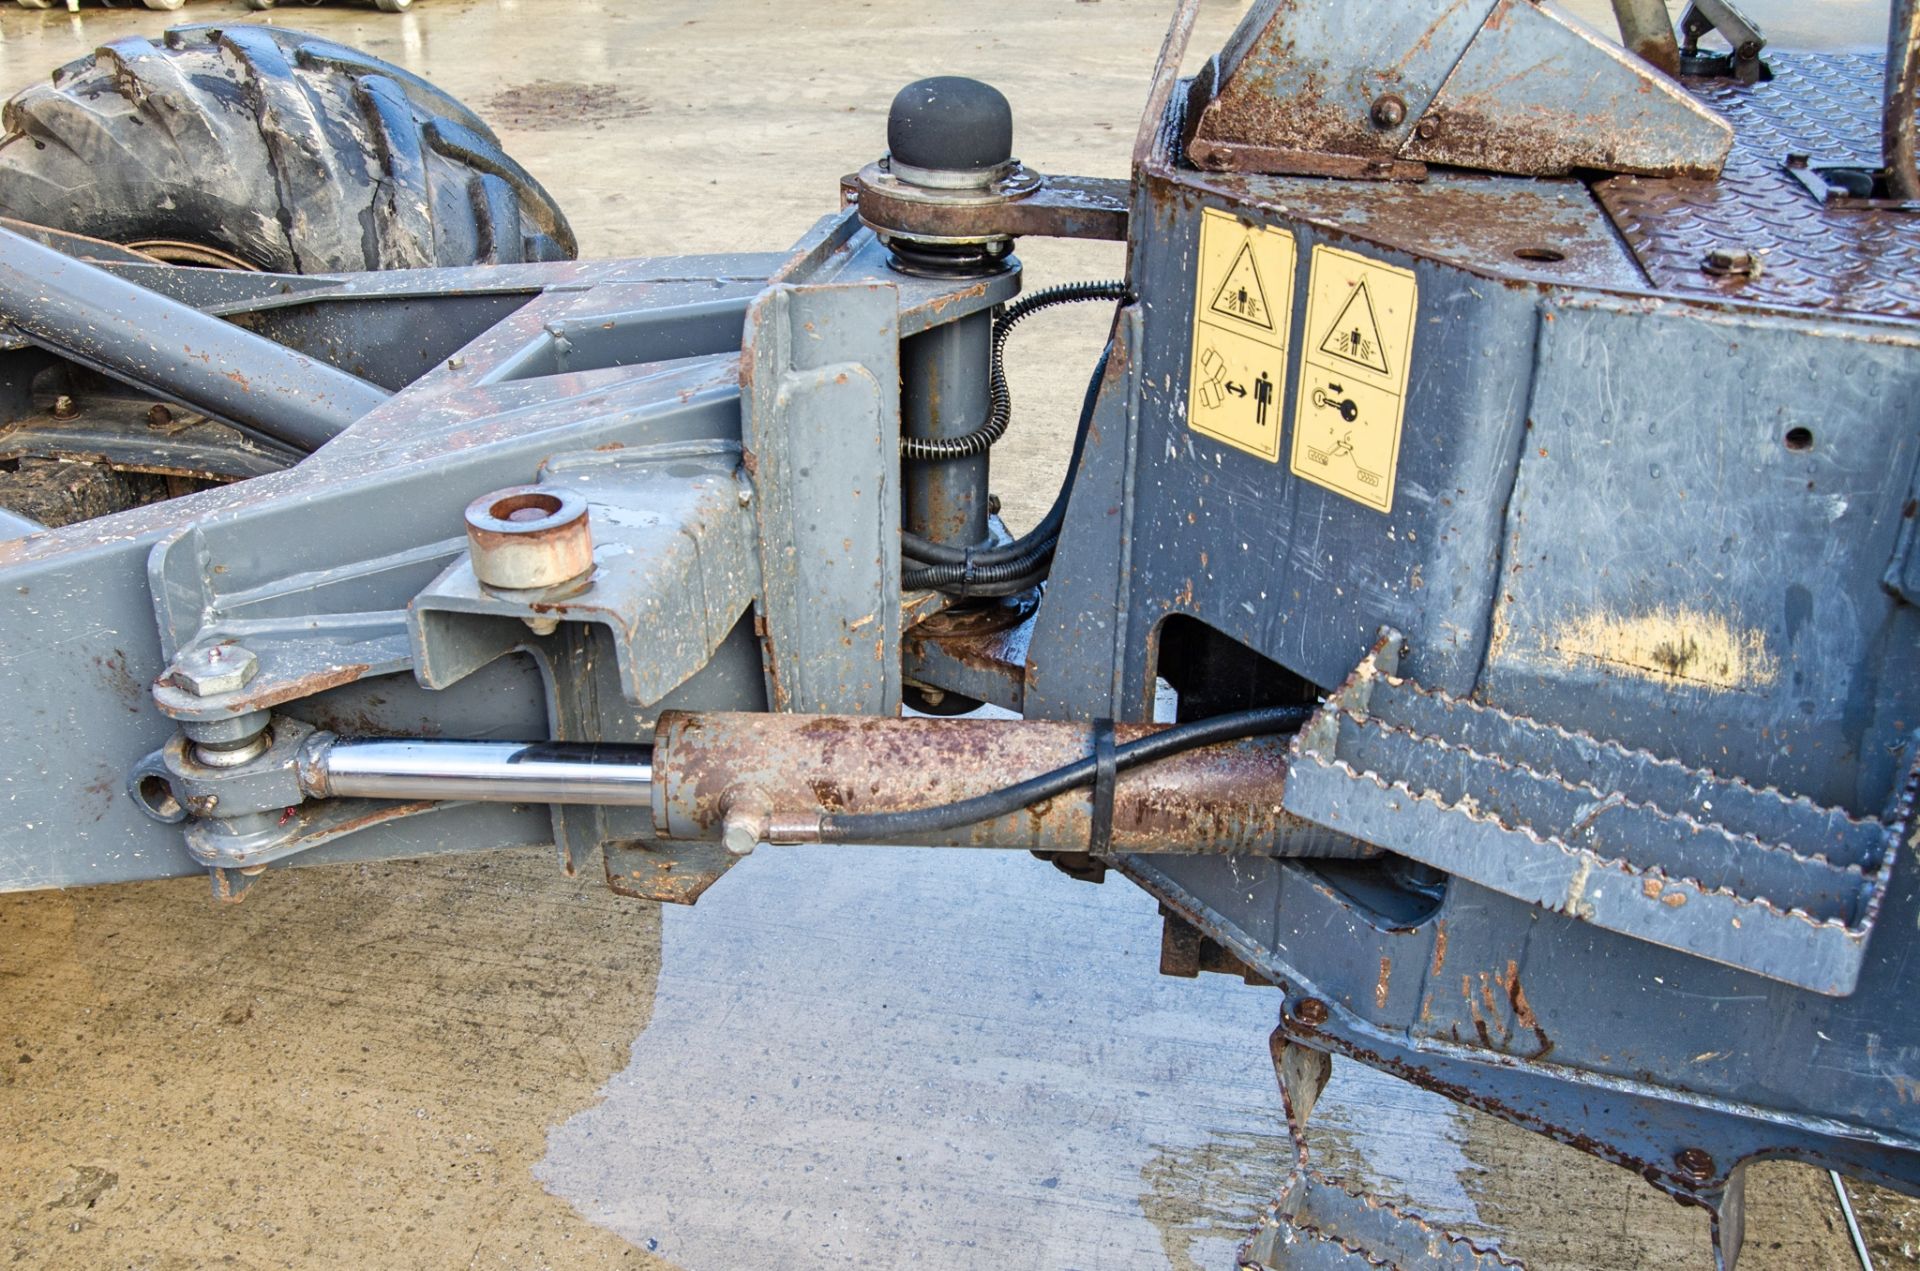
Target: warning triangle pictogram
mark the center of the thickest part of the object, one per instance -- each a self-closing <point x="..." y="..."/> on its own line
<point x="1242" y="296"/>
<point x="1355" y="335"/>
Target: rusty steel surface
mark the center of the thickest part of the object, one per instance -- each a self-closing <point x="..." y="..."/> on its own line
<point x="1536" y="231"/>
<point x="1037" y="207"/>
<point x="1899" y="148"/>
<point x="1228" y="156"/>
<point x="979" y="650"/>
<point x="1493" y="85"/>
<point x="1214" y="800"/>
<point x="1647" y="30"/>
<point x="529" y="536"/>
<point x="1855" y="260"/>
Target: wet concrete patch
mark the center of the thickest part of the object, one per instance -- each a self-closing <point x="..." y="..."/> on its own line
<point x="864" y="1057"/>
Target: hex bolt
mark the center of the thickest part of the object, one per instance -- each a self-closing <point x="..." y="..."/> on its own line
<point x="1732" y="262"/>
<point x="212" y="670"/>
<point x="1311" y="1011"/>
<point x="1389" y="112"/>
<point x="64" y="407"/>
<point x="1695" y="1163"/>
<point x="1427" y="129"/>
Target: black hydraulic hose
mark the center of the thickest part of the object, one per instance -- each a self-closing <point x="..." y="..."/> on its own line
<point x="1015" y="566"/>
<point x="881" y="827"/>
<point x="1000" y="397"/>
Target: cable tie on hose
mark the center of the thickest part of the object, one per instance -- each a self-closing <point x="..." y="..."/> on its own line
<point x="1106" y="768"/>
<point x="966" y="572"/>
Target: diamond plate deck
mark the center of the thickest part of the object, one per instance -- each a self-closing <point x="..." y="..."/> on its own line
<point x="1859" y="260"/>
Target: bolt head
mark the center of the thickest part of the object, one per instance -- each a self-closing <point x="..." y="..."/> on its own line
<point x="1731" y="262"/>
<point x="1694" y="1162"/>
<point x="212" y="670"/>
<point x="1311" y="1012"/>
<point x="1389" y="112"/>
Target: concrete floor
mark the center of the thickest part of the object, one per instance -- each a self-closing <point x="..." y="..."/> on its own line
<point x="842" y="1057"/>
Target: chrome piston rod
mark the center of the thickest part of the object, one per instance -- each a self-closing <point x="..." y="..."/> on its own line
<point x="480" y="771"/>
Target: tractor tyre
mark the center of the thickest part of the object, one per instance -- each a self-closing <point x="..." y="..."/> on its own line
<point x="259" y="147"/>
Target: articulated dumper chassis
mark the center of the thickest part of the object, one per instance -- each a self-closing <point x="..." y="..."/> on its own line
<point x="1505" y="449"/>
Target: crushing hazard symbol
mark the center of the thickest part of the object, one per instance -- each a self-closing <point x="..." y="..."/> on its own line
<point x="1355" y="334"/>
<point x="1240" y="295"/>
<point x="1351" y="399"/>
<point x="1242" y="316"/>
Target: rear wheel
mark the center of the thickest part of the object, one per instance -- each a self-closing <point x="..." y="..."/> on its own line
<point x="289" y="152"/>
<point x="246" y="147"/>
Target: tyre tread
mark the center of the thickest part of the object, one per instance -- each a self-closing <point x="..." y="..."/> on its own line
<point x="297" y="153"/>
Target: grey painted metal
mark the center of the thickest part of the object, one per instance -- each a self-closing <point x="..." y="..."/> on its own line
<point x="1319" y="1225"/>
<point x="1536" y="94"/>
<point x="943" y="394"/>
<point x="820" y="426"/>
<point x="1644" y="544"/>
<point x="674" y="569"/>
<point x="83" y="313"/>
<point x="482" y="771"/>
<point x="1690" y="479"/>
<point x="14" y="525"/>
<point x="1794" y="901"/>
<point x="1305" y="77"/>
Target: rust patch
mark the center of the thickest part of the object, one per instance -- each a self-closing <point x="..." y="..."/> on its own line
<point x="121" y="682"/>
<point x="1380" y="985"/>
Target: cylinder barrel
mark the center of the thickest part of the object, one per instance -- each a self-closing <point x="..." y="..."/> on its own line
<point x="1223" y="799"/>
<point x="944" y="394"/>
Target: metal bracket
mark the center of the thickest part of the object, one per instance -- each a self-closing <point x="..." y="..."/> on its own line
<point x="1743" y="37"/>
<point x="673" y="570"/>
<point x="820" y="423"/>
<point x="1023" y="203"/>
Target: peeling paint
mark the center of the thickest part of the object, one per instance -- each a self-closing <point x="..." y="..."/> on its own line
<point x="1669" y="645"/>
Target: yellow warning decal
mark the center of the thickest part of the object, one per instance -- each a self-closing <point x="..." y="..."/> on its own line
<point x="1242" y="313"/>
<point x="1353" y="375"/>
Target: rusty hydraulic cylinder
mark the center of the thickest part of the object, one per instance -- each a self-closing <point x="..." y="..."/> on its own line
<point x="725" y="774"/>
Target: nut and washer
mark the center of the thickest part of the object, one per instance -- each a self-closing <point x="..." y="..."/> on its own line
<point x="529" y="538"/>
<point x="1388" y="112"/>
<point x="215" y="669"/>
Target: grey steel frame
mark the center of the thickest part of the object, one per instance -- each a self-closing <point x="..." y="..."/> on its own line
<point x="737" y="420"/>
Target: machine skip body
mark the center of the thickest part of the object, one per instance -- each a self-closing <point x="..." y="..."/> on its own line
<point x="1504" y="455"/>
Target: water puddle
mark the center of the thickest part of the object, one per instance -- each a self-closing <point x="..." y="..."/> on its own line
<point x="874" y="1057"/>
